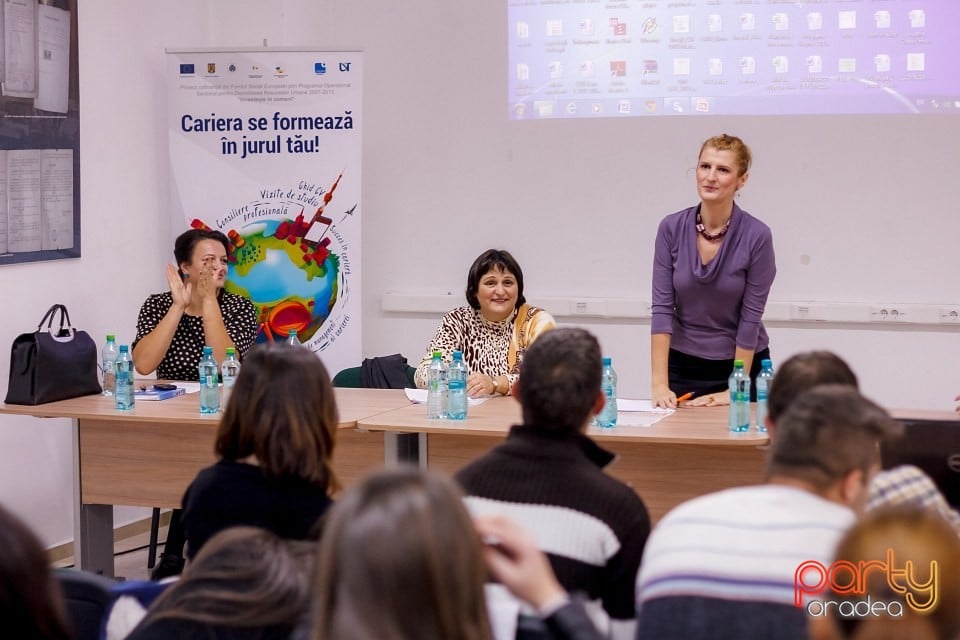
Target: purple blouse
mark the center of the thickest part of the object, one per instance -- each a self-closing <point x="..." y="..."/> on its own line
<point x="712" y="309"/>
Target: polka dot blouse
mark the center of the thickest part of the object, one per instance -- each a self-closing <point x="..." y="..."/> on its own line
<point x="183" y="357"/>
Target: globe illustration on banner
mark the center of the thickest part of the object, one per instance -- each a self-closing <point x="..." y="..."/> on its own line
<point x="292" y="282"/>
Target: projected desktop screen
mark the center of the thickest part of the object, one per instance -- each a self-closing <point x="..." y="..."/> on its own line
<point x="587" y="58"/>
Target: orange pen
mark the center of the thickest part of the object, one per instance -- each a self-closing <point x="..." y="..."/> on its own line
<point x="685" y="397"/>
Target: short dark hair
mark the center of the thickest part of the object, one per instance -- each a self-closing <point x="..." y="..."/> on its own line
<point x="804" y="371"/>
<point x="490" y="259"/>
<point x="560" y="379"/>
<point x="827" y="432"/>
<point x="31" y="602"/>
<point x="284" y="412"/>
<point x="187" y="241"/>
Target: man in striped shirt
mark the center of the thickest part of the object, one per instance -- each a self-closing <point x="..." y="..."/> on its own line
<point x="723" y="565"/>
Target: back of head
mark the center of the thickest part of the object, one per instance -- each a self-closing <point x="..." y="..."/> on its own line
<point x="284" y="412"/>
<point x="400" y="560"/>
<point x="922" y="544"/>
<point x="804" y="371"/>
<point x="243" y="577"/>
<point x="560" y="379"/>
<point x="826" y="433"/>
<point x="31" y="604"/>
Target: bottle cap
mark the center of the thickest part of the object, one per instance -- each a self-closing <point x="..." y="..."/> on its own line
<point x="766" y="364"/>
<point x="738" y="364"/>
<point x="111" y="337"/>
<point x="607" y="362"/>
<point x="437" y="354"/>
<point x="231" y="351"/>
<point x="124" y="348"/>
<point x="458" y="355"/>
<point x="292" y="333"/>
<point x="207" y="351"/>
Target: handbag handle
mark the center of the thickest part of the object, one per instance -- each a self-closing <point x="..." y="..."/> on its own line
<point x="49" y="315"/>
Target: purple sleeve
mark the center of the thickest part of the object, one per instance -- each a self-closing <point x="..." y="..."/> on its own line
<point x="662" y="300"/>
<point x="760" y="276"/>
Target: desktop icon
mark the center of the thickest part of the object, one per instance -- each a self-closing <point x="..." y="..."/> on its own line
<point x="676" y="106"/>
<point x="586" y="69"/>
<point x="649" y="27"/>
<point x="882" y="62"/>
<point x="715" y="66"/>
<point x="554" y="28"/>
<point x="847" y="19"/>
<point x="781" y="22"/>
<point x="649" y="66"/>
<point x="748" y="65"/>
<point x="596" y="107"/>
<point x="847" y="65"/>
<point x="714" y="23"/>
<point x="523" y="30"/>
<point x="650" y="106"/>
<point x="702" y="105"/>
<point x="814" y="64"/>
<point x="571" y="108"/>
<point x="814" y="21"/>
<point x="915" y="62"/>
<point x="681" y="24"/>
<point x="618" y="68"/>
<point x="523" y="71"/>
<point x="748" y="22"/>
<point x="623" y="106"/>
<point x="543" y="108"/>
<point x="555" y="70"/>
<point x="618" y="27"/>
<point x="585" y="27"/>
<point x="781" y="64"/>
<point x="918" y="18"/>
<point x="681" y="66"/>
<point x="882" y="19"/>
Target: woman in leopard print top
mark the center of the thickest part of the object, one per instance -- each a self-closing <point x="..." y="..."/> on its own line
<point x="494" y="331"/>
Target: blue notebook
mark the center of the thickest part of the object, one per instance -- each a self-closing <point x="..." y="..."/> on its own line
<point x="158" y="394"/>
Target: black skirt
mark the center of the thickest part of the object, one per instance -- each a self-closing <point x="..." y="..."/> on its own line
<point x="701" y="376"/>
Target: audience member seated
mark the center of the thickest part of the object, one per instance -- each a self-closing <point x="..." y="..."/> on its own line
<point x="909" y="538"/>
<point x="904" y="484"/>
<point x="722" y="565"/>
<point x="548" y="477"/>
<point x="275" y="443"/>
<point x="400" y="559"/>
<point x="245" y="584"/>
<point x="31" y="605"/>
<point x="494" y="331"/>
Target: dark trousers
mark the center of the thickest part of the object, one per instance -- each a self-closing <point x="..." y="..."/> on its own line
<point x="701" y="376"/>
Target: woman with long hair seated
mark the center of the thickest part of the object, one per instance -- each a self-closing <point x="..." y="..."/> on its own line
<point x="245" y="584"/>
<point x="275" y="443"/>
<point x="400" y="559"/>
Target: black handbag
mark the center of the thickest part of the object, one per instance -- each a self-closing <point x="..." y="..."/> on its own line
<point x="49" y="365"/>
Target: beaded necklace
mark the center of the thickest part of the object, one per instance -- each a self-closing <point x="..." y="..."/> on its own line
<point x="711" y="237"/>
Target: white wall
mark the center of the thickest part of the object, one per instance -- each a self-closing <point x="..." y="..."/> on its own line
<point x="860" y="207"/>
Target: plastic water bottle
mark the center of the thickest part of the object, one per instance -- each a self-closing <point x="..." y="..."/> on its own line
<point x="739" y="383"/>
<point x="457" y="388"/>
<point x="229" y="371"/>
<point x="763" y="386"/>
<point x="608" y="382"/>
<point x="108" y="360"/>
<point x="292" y="338"/>
<point x="123" y="376"/>
<point x="437" y="388"/>
<point x="209" y="389"/>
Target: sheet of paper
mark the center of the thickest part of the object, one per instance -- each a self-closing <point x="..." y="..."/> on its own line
<point x="641" y="419"/>
<point x="628" y="405"/>
<point x="56" y="198"/>
<point x="23" y="200"/>
<point x="419" y="396"/>
<point x="20" y="48"/>
<point x="53" y="59"/>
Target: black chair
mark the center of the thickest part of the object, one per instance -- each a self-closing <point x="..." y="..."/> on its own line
<point x="380" y="368"/>
<point x="87" y="597"/>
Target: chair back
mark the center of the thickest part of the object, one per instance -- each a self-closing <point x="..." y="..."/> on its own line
<point x="87" y="597"/>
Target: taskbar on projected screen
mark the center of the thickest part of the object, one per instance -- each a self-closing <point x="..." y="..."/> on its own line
<point x="875" y="104"/>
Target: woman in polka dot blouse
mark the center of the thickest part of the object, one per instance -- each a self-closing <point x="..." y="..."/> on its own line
<point x="173" y="327"/>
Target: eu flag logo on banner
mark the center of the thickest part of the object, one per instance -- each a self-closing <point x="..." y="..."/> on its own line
<point x="186" y="69"/>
